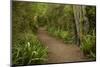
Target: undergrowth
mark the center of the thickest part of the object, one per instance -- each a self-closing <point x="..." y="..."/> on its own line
<point x="27" y="49"/>
<point x="66" y="36"/>
<point x="88" y="46"/>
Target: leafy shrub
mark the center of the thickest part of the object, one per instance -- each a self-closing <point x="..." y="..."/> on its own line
<point x="88" y="46"/>
<point x="65" y="35"/>
<point x="28" y="50"/>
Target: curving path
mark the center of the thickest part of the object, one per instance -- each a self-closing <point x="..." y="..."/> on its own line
<point x="58" y="51"/>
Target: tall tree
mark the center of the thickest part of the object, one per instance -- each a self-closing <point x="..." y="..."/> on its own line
<point x="76" y="10"/>
<point x="81" y="21"/>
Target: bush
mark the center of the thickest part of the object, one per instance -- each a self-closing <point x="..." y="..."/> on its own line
<point x="88" y="46"/>
<point x="65" y="35"/>
<point x="28" y="50"/>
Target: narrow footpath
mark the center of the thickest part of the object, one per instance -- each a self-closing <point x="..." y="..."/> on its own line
<point x="58" y="51"/>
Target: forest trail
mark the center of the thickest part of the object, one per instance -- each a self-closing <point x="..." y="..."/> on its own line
<point x="58" y="51"/>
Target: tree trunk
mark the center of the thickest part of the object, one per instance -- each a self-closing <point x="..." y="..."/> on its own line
<point x="81" y="21"/>
<point x="77" y="22"/>
<point x="85" y="20"/>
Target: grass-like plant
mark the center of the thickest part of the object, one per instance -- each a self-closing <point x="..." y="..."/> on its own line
<point x="88" y="46"/>
<point x="66" y="36"/>
<point x="29" y="51"/>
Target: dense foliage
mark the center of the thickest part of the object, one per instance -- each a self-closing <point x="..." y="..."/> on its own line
<point x="26" y="48"/>
<point x="61" y="21"/>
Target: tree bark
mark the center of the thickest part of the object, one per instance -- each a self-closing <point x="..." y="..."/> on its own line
<point x="77" y="22"/>
<point x="81" y="21"/>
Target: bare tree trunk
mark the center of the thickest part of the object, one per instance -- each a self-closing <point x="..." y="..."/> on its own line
<point x="85" y="20"/>
<point x="81" y="21"/>
<point x="77" y="22"/>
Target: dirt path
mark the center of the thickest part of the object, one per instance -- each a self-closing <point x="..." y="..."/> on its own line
<point x="58" y="51"/>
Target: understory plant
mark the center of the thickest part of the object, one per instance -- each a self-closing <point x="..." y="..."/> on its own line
<point x="88" y="46"/>
<point x="28" y="50"/>
<point x="66" y="36"/>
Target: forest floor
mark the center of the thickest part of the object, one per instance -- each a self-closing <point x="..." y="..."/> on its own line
<point x="58" y="51"/>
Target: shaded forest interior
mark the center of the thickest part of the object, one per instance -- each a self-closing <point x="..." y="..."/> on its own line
<point x="73" y="24"/>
